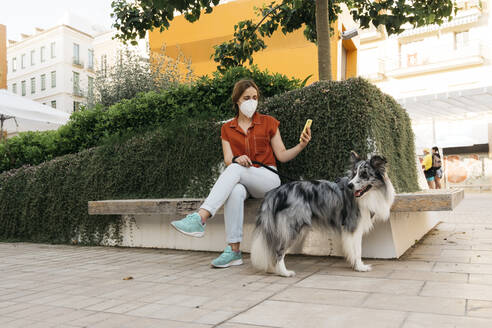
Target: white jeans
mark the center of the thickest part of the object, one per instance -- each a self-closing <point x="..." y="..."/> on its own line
<point x="232" y="187"/>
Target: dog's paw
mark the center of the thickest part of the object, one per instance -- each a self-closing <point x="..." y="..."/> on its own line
<point x="287" y="273"/>
<point x="363" y="267"/>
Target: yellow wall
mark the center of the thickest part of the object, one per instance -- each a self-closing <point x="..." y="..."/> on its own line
<point x="289" y="54"/>
<point x="3" y="57"/>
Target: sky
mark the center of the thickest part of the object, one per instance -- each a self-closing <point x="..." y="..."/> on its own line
<point x="22" y="16"/>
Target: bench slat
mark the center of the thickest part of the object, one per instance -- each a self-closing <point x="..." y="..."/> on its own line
<point x="429" y="200"/>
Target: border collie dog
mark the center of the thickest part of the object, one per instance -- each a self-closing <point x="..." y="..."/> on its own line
<point x="349" y="206"/>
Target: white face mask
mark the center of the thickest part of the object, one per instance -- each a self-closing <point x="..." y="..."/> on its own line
<point x="248" y="107"/>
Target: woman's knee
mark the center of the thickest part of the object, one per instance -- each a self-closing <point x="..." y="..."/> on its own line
<point x="239" y="192"/>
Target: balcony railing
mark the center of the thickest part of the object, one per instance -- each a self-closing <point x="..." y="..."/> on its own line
<point x="427" y="59"/>
<point x="78" y="92"/>
<point x="77" y="62"/>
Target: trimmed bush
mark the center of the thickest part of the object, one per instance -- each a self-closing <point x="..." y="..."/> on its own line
<point x="48" y="202"/>
<point x="207" y="98"/>
<point x="347" y="115"/>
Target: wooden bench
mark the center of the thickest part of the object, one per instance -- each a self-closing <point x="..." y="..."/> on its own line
<point x="146" y="224"/>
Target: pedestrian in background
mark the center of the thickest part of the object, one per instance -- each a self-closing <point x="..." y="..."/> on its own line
<point x="429" y="171"/>
<point x="437" y="165"/>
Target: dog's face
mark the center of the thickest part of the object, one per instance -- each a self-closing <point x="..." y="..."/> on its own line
<point x="366" y="174"/>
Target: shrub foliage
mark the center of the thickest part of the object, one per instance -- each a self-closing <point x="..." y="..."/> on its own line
<point x="48" y="202"/>
<point x="207" y="98"/>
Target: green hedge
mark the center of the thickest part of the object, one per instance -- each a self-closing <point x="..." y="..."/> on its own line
<point x="48" y="202"/>
<point x="207" y="98"/>
<point x="348" y="115"/>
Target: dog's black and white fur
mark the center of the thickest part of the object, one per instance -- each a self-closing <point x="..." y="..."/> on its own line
<point x="349" y="206"/>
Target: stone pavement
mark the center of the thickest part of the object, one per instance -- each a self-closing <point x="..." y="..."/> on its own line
<point x="444" y="281"/>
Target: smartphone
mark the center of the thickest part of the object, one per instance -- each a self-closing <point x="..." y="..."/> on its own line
<point x="307" y="125"/>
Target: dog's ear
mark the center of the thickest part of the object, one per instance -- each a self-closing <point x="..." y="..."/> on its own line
<point x="354" y="157"/>
<point x="378" y="163"/>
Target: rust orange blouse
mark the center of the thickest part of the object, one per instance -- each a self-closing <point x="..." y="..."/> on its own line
<point x="255" y="143"/>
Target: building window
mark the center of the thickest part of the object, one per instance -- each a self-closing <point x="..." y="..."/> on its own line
<point x="23" y="88"/>
<point x="53" y="79"/>
<point x="76" y="84"/>
<point x="76" y="54"/>
<point x="14" y="88"/>
<point x="90" y="63"/>
<point x="14" y="64"/>
<point x="104" y="64"/>
<point x="52" y="47"/>
<point x="43" y="82"/>
<point x="43" y="54"/>
<point x="90" y="87"/>
<point x="461" y="39"/>
<point x="411" y="53"/>
<point x="33" y="85"/>
<point x="33" y="52"/>
<point x="76" y="106"/>
<point x="53" y="104"/>
<point x="23" y="61"/>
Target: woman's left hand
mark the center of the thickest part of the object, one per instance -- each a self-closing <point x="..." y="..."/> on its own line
<point x="305" y="137"/>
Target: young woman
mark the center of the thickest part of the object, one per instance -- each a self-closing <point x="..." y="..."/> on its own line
<point x="429" y="171"/>
<point x="436" y="163"/>
<point x="249" y="136"/>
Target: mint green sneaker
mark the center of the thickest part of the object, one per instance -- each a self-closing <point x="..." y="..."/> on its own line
<point x="228" y="258"/>
<point x="191" y="225"/>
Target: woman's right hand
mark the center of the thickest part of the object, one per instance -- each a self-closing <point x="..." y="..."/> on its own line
<point x="244" y="161"/>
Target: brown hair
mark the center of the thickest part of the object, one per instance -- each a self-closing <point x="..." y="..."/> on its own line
<point x="239" y="89"/>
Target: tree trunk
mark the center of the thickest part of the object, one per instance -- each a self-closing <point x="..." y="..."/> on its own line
<point x="323" y="39"/>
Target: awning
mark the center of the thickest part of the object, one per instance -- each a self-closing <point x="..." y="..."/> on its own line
<point x="454" y="105"/>
<point x="22" y="114"/>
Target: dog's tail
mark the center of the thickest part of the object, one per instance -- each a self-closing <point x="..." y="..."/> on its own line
<point x="261" y="255"/>
<point x="262" y="247"/>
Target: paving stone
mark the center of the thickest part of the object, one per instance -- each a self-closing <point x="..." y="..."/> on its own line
<point x="125" y="307"/>
<point x="430" y="276"/>
<point x="484" y="279"/>
<point x="423" y="320"/>
<point x="479" y="308"/>
<point x="321" y="296"/>
<point x="104" y="304"/>
<point x="22" y="323"/>
<point x="154" y="323"/>
<point x="69" y="316"/>
<point x="387" y="265"/>
<point x="238" y="325"/>
<point x="463" y="268"/>
<point x="436" y="305"/>
<point x="391" y="286"/>
<point x="347" y="271"/>
<point x="292" y="314"/>
<point x="216" y="317"/>
<point x="90" y="320"/>
<point x="457" y="290"/>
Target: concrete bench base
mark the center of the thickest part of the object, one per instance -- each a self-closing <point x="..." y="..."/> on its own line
<point x="147" y="224"/>
<point x="387" y="240"/>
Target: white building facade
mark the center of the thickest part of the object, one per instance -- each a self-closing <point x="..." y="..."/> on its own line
<point x="55" y="67"/>
<point x="442" y="76"/>
<point x="107" y="49"/>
